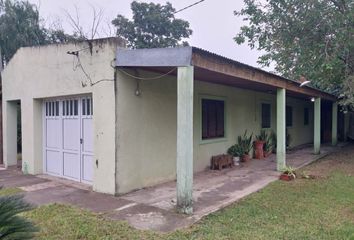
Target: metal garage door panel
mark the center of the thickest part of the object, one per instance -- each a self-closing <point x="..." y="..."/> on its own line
<point x="69" y="138"/>
<point x="87" y="168"/>
<point x="71" y="134"/>
<point x="53" y="133"/>
<point x="54" y="162"/>
<point x="87" y="135"/>
<point x="72" y="165"/>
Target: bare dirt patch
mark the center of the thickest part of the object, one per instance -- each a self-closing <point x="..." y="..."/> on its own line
<point x="343" y="161"/>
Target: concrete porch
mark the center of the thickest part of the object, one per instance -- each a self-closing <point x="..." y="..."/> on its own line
<point x="155" y="208"/>
<point x="214" y="189"/>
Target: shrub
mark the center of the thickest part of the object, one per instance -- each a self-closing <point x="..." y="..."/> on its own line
<point x="13" y="226"/>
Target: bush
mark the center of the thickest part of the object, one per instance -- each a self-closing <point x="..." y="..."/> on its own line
<point x="13" y="226"/>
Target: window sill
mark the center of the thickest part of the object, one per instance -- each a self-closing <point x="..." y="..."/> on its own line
<point x="213" y="140"/>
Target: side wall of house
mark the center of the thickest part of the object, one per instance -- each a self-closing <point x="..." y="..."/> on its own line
<point x="147" y="126"/>
<point x="38" y="73"/>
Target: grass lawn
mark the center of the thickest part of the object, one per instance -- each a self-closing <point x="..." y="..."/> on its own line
<point x="321" y="208"/>
<point x="9" y="191"/>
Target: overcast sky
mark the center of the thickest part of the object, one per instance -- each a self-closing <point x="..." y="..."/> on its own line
<point x="212" y="21"/>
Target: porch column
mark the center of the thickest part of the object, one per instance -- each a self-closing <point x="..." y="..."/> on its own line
<point x="317" y="126"/>
<point x="185" y="139"/>
<point x="281" y="129"/>
<point x="10" y="133"/>
<point x="334" y="124"/>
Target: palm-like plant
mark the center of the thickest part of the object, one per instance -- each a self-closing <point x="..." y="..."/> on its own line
<point x="13" y="226"/>
<point x="245" y="142"/>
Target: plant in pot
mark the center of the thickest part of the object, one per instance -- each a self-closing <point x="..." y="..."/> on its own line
<point x="273" y="137"/>
<point x="268" y="146"/>
<point x="259" y="144"/>
<point x="288" y="174"/>
<point x="235" y="151"/>
<point x="245" y="144"/>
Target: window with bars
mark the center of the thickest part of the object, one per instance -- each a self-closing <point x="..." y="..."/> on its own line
<point x="52" y="109"/>
<point x="213" y="114"/>
<point x="70" y="108"/>
<point x="266" y="115"/>
<point x="87" y="107"/>
<point x="289" y="116"/>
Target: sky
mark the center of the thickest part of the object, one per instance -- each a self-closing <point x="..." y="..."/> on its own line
<point x="213" y="21"/>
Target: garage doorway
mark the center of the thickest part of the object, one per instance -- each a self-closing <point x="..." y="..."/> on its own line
<point x="68" y="138"/>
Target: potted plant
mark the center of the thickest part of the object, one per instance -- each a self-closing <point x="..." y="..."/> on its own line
<point x="259" y="144"/>
<point x="268" y="146"/>
<point x="273" y="137"/>
<point x="235" y="151"/>
<point x="288" y="174"/>
<point x="245" y="144"/>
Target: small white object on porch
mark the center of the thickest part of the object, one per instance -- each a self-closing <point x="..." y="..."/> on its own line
<point x="185" y="79"/>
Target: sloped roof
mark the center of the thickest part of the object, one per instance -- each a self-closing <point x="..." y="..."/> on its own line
<point x="203" y="59"/>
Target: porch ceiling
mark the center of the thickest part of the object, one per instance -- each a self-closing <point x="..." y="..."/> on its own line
<point x="205" y="75"/>
<point x="213" y="68"/>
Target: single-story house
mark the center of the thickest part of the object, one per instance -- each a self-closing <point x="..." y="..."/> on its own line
<point x="121" y="119"/>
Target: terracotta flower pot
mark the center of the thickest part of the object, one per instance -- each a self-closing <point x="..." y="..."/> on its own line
<point x="245" y="158"/>
<point x="267" y="154"/>
<point x="259" y="153"/>
<point x="286" y="177"/>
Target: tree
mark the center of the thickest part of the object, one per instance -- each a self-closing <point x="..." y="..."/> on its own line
<point x="309" y="38"/>
<point x="153" y="25"/>
<point x="93" y="31"/>
<point x="13" y="226"/>
<point x="21" y="26"/>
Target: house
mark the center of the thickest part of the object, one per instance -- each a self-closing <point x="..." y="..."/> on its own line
<point x="120" y="119"/>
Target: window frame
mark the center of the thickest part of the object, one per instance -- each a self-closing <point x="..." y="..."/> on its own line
<point x="217" y="139"/>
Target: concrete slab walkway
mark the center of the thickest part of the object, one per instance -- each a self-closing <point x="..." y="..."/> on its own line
<point x="154" y="208"/>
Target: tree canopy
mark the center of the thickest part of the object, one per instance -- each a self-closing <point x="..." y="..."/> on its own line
<point x="153" y="25"/>
<point x="309" y="38"/>
<point x="20" y="26"/>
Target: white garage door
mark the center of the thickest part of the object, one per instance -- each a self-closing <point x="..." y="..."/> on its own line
<point x="68" y="149"/>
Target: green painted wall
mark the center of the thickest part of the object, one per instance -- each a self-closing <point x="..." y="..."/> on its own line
<point x="147" y="126"/>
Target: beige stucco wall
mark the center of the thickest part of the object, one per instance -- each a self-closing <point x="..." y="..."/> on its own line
<point x="147" y="126"/>
<point x="37" y="73"/>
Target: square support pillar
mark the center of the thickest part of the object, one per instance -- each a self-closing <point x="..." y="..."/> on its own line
<point x="185" y="79"/>
<point x="10" y="133"/>
<point x="317" y="126"/>
<point x="334" y="124"/>
<point x="281" y="129"/>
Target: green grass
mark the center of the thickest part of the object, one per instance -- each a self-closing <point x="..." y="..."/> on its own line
<point x="9" y="191"/>
<point x="303" y="209"/>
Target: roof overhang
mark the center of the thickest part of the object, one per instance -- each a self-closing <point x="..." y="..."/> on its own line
<point x="154" y="57"/>
<point x="214" y="68"/>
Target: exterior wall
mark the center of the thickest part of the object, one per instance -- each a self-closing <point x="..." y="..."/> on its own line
<point x="37" y="73"/>
<point x="147" y="126"/>
<point x="349" y="125"/>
